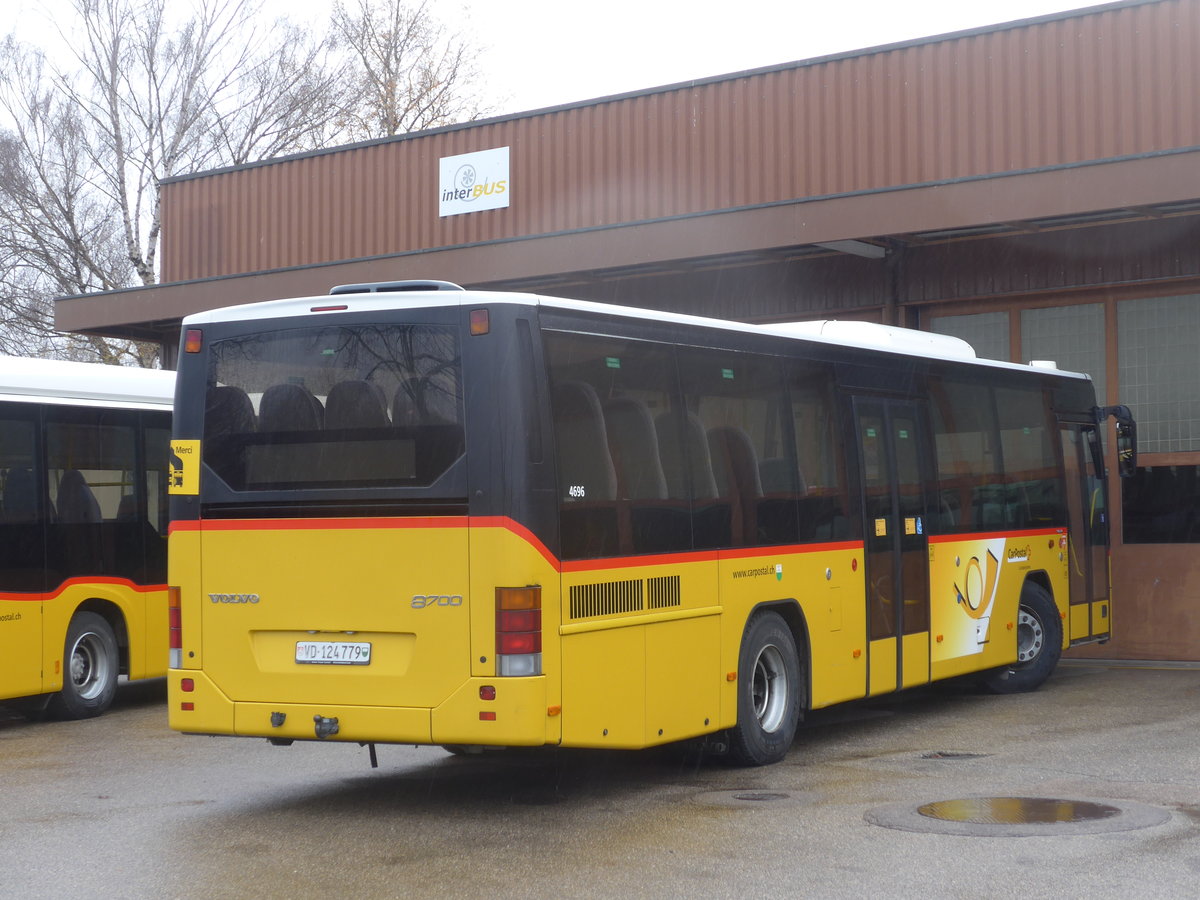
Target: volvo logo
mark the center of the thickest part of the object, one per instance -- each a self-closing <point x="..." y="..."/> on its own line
<point x="233" y="598"/>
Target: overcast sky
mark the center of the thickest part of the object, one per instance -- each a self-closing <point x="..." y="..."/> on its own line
<point x="539" y="53"/>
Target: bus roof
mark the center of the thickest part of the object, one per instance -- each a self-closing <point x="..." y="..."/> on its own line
<point x="864" y="335"/>
<point x="84" y="384"/>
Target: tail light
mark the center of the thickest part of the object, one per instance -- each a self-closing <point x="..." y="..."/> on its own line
<point x="519" y="631"/>
<point x="174" y="629"/>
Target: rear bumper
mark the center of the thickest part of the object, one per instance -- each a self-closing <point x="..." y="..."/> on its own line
<point x="516" y="717"/>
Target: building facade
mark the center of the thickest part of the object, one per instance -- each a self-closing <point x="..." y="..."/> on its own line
<point x="1032" y="187"/>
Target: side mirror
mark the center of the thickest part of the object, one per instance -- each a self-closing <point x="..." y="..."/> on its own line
<point x="1126" y="447"/>
<point x="1126" y="437"/>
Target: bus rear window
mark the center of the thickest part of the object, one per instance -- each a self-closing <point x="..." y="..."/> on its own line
<point x="334" y="407"/>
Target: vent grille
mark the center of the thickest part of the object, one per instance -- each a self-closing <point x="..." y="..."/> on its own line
<point x="662" y="592"/>
<point x="610" y="598"/>
<point x="606" y="598"/>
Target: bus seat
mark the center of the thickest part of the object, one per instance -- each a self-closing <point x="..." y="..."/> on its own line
<point x="734" y="462"/>
<point x="76" y="502"/>
<point x="685" y="456"/>
<point x="289" y="407"/>
<point x="421" y="401"/>
<point x="127" y="510"/>
<point x="633" y="443"/>
<point x="228" y="411"/>
<point x="584" y="460"/>
<point x="778" y="476"/>
<point x="355" y="404"/>
<point x="735" y="468"/>
<point x="406" y="408"/>
<point x="20" y="496"/>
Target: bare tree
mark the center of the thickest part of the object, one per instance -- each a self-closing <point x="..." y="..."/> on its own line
<point x="407" y="70"/>
<point x="151" y="89"/>
<point x="145" y="98"/>
<point x="163" y="98"/>
<point x="57" y="236"/>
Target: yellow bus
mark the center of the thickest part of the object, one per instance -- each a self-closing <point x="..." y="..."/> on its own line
<point x="411" y="513"/>
<point x="83" y="531"/>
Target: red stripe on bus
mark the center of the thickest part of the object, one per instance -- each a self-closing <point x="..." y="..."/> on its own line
<point x="629" y="562"/>
<point x="756" y="552"/>
<point x="63" y="587"/>
<point x="994" y="535"/>
<point x="520" y="531"/>
<point x="724" y="555"/>
<point x="367" y="523"/>
<point x="317" y="524"/>
<point x="517" y="529"/>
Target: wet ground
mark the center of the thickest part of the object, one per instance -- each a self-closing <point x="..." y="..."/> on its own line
<point x="122" y="807"/>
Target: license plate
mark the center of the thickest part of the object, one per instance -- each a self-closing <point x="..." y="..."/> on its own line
<point x="334" y="653"/>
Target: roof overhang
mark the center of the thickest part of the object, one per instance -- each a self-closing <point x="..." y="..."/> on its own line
<point x="1069" y="196"/>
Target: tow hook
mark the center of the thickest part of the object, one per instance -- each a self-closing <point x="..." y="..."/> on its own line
<point x="325" y="727"/>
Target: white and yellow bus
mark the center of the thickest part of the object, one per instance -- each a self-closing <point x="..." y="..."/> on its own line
<point x="83" y="525"/>
<point x="408" y="513"/>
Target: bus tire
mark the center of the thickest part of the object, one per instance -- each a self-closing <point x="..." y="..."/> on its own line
<point x="1039" y="644"/>
<point x="769" y="693"/>
<point x="91" y="662"/>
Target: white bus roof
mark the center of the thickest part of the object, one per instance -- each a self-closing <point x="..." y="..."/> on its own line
<point x="84" y="384"/>
<point x="865" y="335"/>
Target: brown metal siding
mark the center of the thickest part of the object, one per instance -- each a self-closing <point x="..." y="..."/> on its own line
<point x="1116" y="82"/>
<point x="1128" y="253"/>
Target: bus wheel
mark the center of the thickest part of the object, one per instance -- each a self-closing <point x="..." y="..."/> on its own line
<point x="91" y="663"/>
<point x="769" y="693"/>
<point x="1039" y="644"/>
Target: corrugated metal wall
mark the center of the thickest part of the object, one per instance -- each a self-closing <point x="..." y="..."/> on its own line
<point x="1116" y="82"/>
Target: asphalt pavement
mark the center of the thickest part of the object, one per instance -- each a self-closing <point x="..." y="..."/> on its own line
<point x="1089" y="787"/>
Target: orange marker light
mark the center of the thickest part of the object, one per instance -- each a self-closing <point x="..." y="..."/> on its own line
<point x="193" y="340"/>
<point x="480" y="321"/>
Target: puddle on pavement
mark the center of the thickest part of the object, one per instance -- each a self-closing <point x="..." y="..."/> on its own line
<point x="1017" y="811"/>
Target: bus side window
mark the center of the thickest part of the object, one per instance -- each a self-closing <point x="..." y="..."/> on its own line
<point x="586" y="477"/>
<point x="971" y="492"/>
<point x="22" y="541"/>
<point x="606" y="393"/>
<point x="90" y="457"/>
<point x="818" y="474"/>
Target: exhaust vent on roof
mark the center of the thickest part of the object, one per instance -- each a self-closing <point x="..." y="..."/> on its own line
<point x="391" y="287"/>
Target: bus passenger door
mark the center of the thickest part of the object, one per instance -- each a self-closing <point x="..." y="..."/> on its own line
<point x="895" y="467"/>
<point x="1087" y="540"/>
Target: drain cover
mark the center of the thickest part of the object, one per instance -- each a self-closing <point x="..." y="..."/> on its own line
<point x="1017" y="811"/>
<point x="750" y="798"/>
<point x="1018" y="816"/>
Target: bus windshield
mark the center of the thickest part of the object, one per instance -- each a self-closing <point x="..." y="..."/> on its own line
<point x="342" y="406"/>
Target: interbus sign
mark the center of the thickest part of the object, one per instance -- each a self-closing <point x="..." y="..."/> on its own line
<point x="472" y="182"/>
